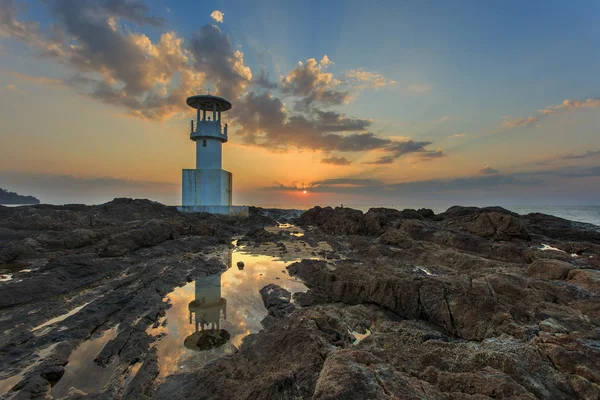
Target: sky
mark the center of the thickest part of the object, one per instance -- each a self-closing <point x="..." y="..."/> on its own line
<point x="409" y="102"/>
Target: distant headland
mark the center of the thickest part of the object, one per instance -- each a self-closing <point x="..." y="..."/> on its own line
<point x="7" y="197"/>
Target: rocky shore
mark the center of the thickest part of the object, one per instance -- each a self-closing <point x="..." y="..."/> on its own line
<point x="473" y="303"/>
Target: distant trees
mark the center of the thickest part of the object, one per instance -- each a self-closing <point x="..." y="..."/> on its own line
<point x="7" y="197"/>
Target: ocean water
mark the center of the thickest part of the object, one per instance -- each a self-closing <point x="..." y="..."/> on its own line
<point x="588" y="214"/>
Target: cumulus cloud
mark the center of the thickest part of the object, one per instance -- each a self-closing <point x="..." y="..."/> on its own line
<point x="487" y="170"/>
<point x="263" y="81"/>
<point x="263" y="120"/>
<point x="566" y="105"/>
<point x="336" y="161"/>
<point x="124" y="68"/>
<point x="310" y="81"/>
<point x="150" y="78"/>
<point x="217" y="16"/>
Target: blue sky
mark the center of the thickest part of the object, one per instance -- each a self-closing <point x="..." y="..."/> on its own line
<point x="418" y="93"/>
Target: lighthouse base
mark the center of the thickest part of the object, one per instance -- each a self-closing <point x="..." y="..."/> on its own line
<point x="233" y="211"/>
<point x="209" y="191"/>
<point x="206" y="187"/>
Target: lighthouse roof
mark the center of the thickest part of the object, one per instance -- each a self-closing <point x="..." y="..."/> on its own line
<point x="206" y="101"/>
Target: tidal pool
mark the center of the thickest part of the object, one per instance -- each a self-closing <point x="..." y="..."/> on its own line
<point x="210" y="317"/>
<point x="82" y="374"/>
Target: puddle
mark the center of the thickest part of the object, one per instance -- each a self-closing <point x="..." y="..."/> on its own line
<point x="82" y="373"/>
<point x="60" y="317"/>
<point x="5" y="277"/>
<point x="13" y="267"/>
<point x="423" y="269"/>
<point x="210" y="317"/>
<point x="293" y="230"/>
<point x="9" y="383"/>
<point x="546" y="247"/>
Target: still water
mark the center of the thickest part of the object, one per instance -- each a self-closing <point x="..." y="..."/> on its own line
<point x="210" y="317"/>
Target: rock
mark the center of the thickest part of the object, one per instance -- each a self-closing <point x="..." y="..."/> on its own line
<point x="549" y="269"/>
<point x="240" y="265"/>
<point x="53" y="373"/>
<point x="552" y="326"/>
<point x="498" y="226"/>
<point x="276" y="300"/>
<point x="341" y="220"/>
<point x="586" y="278"/>
<point x="260" y="235"/>
<point x="485" y="382"/>
<point x="396" y="237"/>
<point x="346" y="374"/>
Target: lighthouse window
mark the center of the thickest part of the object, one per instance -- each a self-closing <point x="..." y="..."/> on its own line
<point x="203" y="142"/>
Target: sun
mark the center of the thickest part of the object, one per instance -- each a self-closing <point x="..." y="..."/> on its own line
<point x="304" y="191"/>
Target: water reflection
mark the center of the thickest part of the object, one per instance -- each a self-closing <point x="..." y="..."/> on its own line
<point x="210" y="317"/>
<point x="206" y="311"/>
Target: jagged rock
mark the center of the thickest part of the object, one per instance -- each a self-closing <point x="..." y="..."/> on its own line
<point x="396" y="237"/>
<point x="549" y="269"/>
<point x="586" y="278"/>
<point x="276" y="300"/>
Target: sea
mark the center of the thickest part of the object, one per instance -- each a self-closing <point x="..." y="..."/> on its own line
<point x="588" y="214"/>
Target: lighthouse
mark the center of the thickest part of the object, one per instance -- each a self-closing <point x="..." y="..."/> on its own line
<point x="208" y="187"/>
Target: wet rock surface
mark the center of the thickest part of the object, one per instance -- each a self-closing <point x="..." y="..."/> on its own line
<point x="401" y="304"/>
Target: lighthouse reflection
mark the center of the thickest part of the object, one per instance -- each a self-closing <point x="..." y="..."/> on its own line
<point x="206" y="311"/>
<point x="210" y="317"/>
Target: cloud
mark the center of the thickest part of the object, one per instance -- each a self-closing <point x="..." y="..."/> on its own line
<point x="365" y="79"/>
<point x="263" y="120"/>
<point x="431" y="155"/>
<point x="115" y="65"/>
<point x="441" y="120"/>
<point x="313" y="84"/>
<point x="487" y="170"/>
<point x="584" y="173"/>
<point x="263" y="81"/>
<point x="217" y="16"/>
<point x="399" y="149"/>
<point x="580" y="156"/>
<point x="435" y="186"/>
<point x="566" y="105"/>
<point x="336" y="161"/>
<point x="214" y="55"/>
<point x="135" y="11"/>
<point x="458" y="135"/>
<point x="520" y="122"/>
<point x="150" y="78"/>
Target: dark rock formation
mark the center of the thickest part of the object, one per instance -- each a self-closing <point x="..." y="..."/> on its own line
<point x="7" y="197"/>
<point x="466" y="304"/>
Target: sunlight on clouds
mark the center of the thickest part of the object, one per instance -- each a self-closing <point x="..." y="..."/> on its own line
<point x="217" y="16"/>
<point x="566" y="105"/>
<point x="365" y="79"/>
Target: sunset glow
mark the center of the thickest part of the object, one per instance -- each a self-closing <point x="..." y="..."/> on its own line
<point x="361" y="118"/>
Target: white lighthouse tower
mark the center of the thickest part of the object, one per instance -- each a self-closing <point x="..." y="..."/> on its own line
<point x="208" y="187"/>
